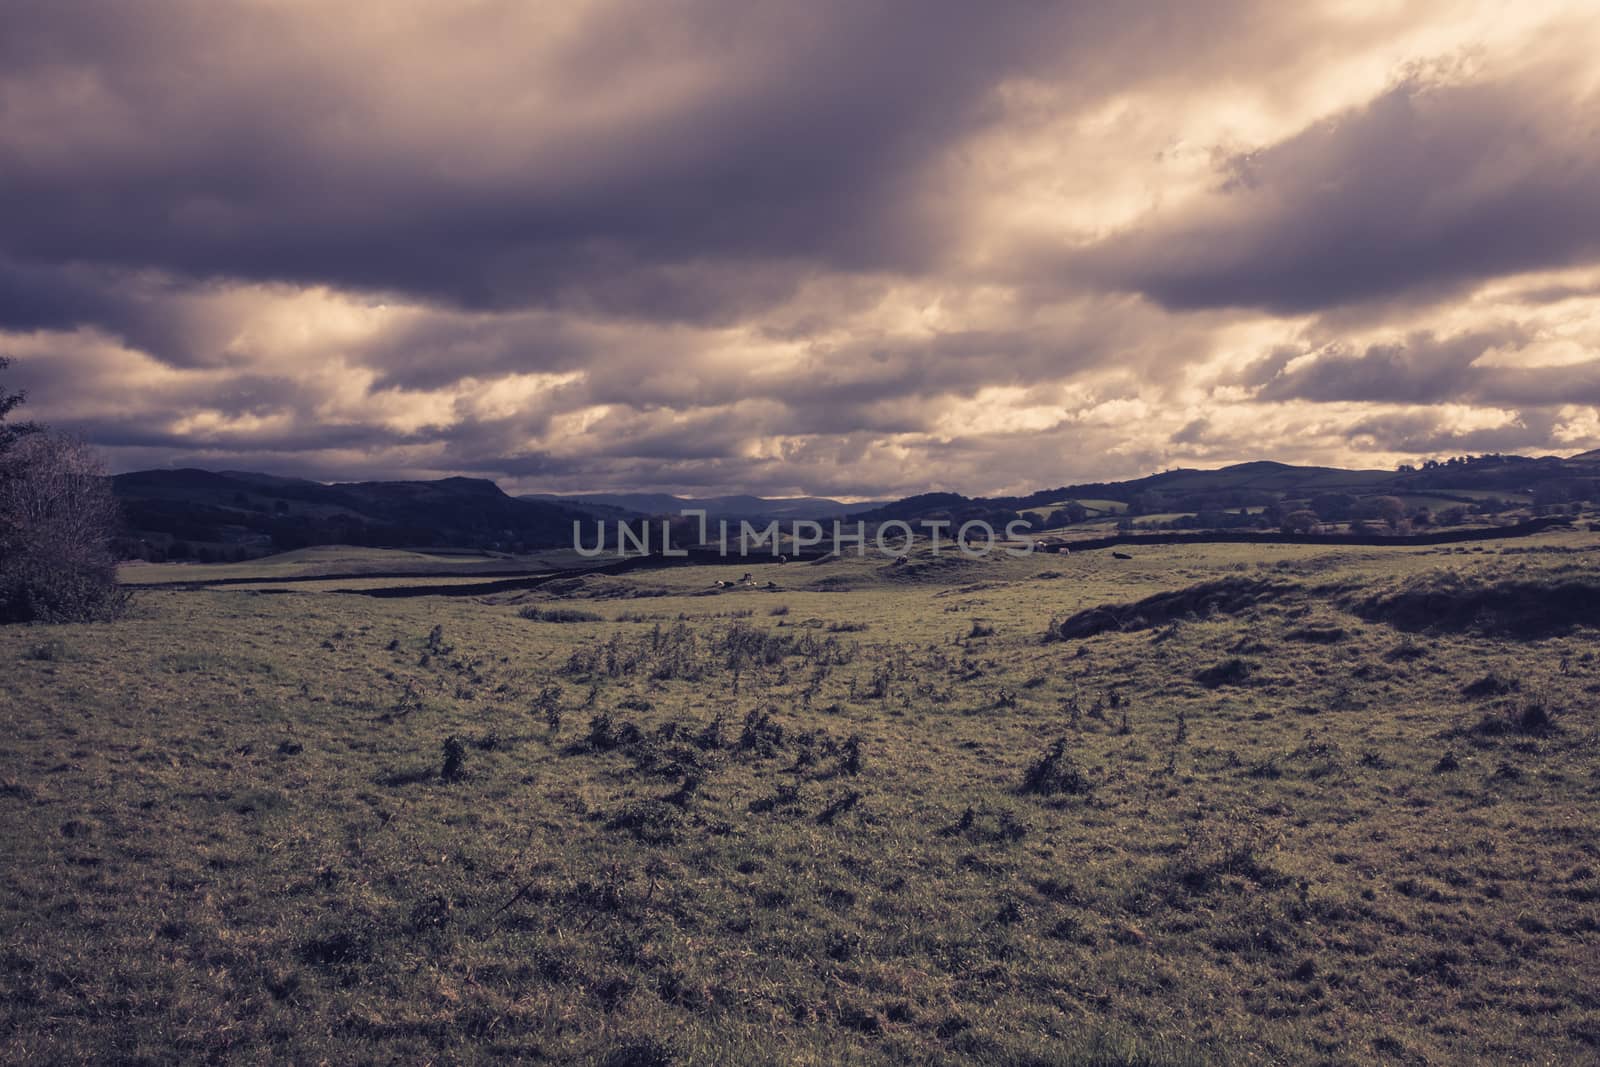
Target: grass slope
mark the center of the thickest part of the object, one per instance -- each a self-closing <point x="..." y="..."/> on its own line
<point x="871" y="815"/>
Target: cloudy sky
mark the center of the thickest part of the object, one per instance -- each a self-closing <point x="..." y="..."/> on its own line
<point x="837" y="246"/>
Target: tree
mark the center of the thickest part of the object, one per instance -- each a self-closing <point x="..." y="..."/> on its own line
<point x="1300" y="522"/>
<point x="57" y="517"/>
<point x="1391" y="509"/>
<point x="1072" y="512"/>
<point x="9" y="402"/>
<point x="1333" y="507"/>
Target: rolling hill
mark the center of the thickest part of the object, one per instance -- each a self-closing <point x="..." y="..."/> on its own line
<point x="1264" y="483"/>
<point x="231" y="513"/>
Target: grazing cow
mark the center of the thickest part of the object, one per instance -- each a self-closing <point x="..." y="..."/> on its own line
<point x="721" y="584"/>
<point x="1063" y="551"/>
<point x="783" y="559"/>
<point x="1120" y="555"/>
<point x="747" y="579"/>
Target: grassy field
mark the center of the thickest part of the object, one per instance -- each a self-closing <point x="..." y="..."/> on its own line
<point x="1316" y="806"/>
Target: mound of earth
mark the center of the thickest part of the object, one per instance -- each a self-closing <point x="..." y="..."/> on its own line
<point x="1509" y="608"/>
<point x="1227" y="596"/>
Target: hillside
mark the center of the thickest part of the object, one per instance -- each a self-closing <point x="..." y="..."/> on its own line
<point x="229" y="514"/>
<point x="1211" y="804"/>
<point x="209" y="515"/>
<point x="1263" y="484"/>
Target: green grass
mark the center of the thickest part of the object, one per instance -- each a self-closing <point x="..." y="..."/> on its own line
<point x="820" y="823"/>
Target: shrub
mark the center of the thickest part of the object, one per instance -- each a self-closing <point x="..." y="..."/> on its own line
<point x="57" y="517"/>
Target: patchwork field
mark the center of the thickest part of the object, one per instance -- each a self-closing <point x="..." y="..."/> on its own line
<point x="1211" y="804"/>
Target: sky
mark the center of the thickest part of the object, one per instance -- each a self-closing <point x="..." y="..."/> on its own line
<point x="837" y="247"/>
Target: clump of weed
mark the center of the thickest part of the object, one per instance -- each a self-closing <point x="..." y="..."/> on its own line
<point x="654" y="822"/>
<point x="435" y="642"/>
<point x="980" y="629"/>
<point x="693" y="779"/>
<point x="711" y="736"/>
<point x="455" y="755"/>
<point x="534" y="613"/>
<point x="850" y="755"/>
<point x="977" y="826"/>
<point x="609" y="894"/>
<point x="547" y="705"/>
<point x="1534" y="718"/>
<point x="1213" y="855"/>
<point x="784" y="795"/>
<point x="847" y="800"/>
<point x="602" y="735"/>
<point x="1531" y="719"/>
<point x="409" y="700"/>
<point x="1447" y="763"/>
<point x="1055" y="773"/>
<point x="761" y="735"/>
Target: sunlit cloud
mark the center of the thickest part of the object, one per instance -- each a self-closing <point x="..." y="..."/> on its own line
<point x="832" y="248"/>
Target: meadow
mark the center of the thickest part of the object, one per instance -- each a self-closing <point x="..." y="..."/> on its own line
<point x="1211" y="804"/>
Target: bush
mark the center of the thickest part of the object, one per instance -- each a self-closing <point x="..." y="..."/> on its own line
<point x="57" y="517"/>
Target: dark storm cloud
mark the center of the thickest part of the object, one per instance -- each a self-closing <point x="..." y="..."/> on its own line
<point x="212" y="141"/>
<point x="673" y="162"/>
<point x="784" y="248"/>
<point x="1426" y="188"/>
<point x="1418" y="370"/>
<point x="1425" y="369"/>
<point x="1422" y="433"/>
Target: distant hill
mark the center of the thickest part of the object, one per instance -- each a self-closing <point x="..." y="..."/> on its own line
<point x="1266" y="484"/>
<point x="716" y="507"/>
<point x="225" y="514"/>
<point x="229" y="514"/>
